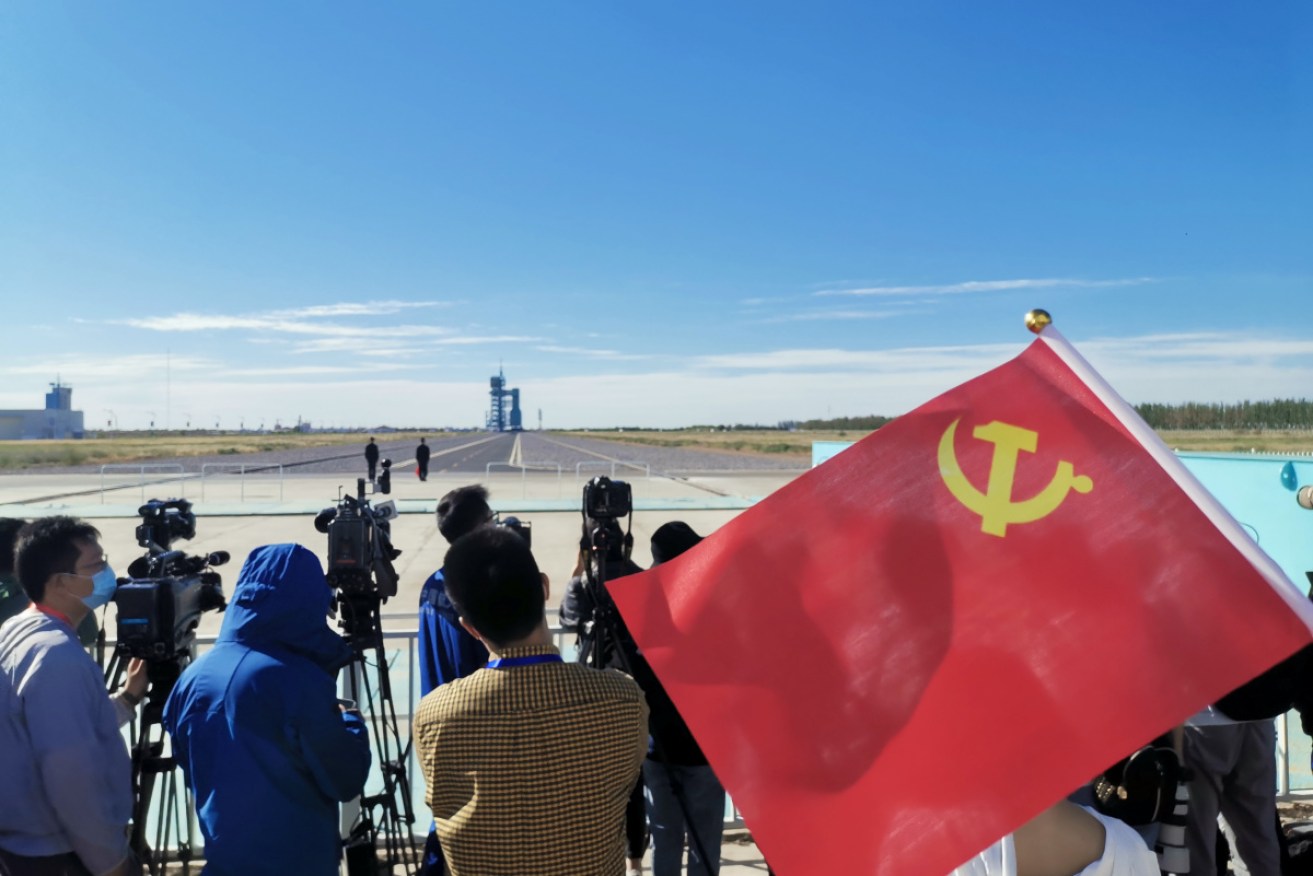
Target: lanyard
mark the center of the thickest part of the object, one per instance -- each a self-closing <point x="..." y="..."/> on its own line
<point x="527" y="660"/>
<point x="55" y="613"/>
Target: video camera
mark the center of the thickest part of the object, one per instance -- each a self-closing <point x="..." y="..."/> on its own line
<point x="161" y="601"/>
<point x="605" y="499"/>
<point x="360" y="551"/>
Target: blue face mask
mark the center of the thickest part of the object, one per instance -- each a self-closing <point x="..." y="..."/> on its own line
<point x="103" y="585"/>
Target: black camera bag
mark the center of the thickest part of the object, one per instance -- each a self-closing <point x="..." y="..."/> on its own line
<point x="1139" y="789"/>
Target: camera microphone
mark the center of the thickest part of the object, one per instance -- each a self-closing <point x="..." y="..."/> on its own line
<point x="1305" y="497"/>
<point x="323" y="518"/>
<point x="218" y="558"/>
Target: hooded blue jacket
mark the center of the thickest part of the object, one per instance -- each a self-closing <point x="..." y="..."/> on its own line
<point x="257" y="730"/>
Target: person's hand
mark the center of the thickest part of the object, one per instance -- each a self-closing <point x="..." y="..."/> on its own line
<point x="137" y="680"/>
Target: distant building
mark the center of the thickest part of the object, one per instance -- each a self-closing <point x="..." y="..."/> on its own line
<point x="58" y="420"/>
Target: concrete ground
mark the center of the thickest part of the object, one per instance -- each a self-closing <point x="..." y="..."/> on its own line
<point x="238" y="514"/>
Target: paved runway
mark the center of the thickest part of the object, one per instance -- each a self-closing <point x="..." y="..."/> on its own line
<point x="473" y="452"/>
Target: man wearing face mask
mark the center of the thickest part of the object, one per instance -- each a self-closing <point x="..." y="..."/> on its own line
<point x="12" y="598"/>
<point x="68" y="782"/>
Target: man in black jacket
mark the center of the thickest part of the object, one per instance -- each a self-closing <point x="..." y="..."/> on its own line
<point x="371" y="457"/>
<point x="422" y="460"/>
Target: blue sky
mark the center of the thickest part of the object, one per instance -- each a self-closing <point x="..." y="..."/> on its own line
<point x="652" y="214"/>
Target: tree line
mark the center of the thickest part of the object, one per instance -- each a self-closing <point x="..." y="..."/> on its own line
<point x="1277" y="414"/>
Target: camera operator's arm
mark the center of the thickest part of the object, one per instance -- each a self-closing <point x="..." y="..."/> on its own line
<point x="577" y="606"/>
<point x="335" y="745"/>
<point x="134" y="690"/>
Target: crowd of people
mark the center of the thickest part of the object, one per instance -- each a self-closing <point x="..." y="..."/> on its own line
<point x="532" y="763"/>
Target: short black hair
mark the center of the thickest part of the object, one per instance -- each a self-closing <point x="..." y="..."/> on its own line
<point x="672" y="539"/>
<point x="463" y="510"/>
<point x="493" y="580"/>
<point x="9" y="527"/>
<point x="47" y="546"/>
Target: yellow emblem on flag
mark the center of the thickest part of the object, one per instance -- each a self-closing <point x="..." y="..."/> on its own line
<point x="995" y="505"/>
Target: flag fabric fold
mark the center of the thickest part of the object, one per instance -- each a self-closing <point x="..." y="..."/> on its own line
<point x="914" y="648"/>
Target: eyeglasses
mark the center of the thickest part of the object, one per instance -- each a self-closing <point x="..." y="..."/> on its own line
<point x="99" y="564"/>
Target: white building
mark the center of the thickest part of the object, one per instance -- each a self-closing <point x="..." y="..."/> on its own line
<point x="58" y="420"/>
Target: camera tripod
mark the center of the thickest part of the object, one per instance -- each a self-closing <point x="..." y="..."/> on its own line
<point x="385" y="816"/>
<point x="173" y="813"/>
<point x="607" y="640"/>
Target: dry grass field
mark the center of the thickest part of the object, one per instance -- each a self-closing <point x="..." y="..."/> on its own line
<point x="764" y="441"/>
<point x="131" y="447"/>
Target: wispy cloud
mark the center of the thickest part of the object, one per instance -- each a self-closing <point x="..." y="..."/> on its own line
<point x="1217" y="347"/>
<point x="198" y="322"/>
<point x="592" y="353"/>
<point x="462" y="340"/>
<point x="987" y="286"/>
<point x="822" y="315"/>
<point x="314" y="370"/>
<point x="366" y="308"/>
<point x="111" y="368"/>
<point x="904" y="359"/>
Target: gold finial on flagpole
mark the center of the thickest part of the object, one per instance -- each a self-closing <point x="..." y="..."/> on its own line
<point x="1037" y="320"/>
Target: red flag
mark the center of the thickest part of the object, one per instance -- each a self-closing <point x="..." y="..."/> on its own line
<point x="914" y="648"/>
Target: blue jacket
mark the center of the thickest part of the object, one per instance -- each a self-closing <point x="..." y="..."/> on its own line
<point x="446" y="651"/>
<point x="257" y="730"/>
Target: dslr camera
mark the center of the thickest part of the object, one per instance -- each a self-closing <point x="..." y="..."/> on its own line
<point x="360" y="551"/>
<point x="161" y="601"/>
<point x="605" y="499"/>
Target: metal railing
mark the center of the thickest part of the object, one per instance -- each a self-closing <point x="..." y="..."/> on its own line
<point x="141" y="469"/>
<point x="402" y="647"/>
<point x="524" y="468"/>
<point x="241" y="469"/>
<point x="638" y="466"/>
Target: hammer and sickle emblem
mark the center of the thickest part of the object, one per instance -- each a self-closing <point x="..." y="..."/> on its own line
<point x="995" y="506"/>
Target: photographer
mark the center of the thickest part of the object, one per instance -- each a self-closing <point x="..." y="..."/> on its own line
<point x="68" y="782"/>
<point x="258" y="729"/>
<point x="580" y="613"/>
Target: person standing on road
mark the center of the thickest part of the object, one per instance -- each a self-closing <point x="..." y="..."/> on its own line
<point x="422" y="460"/>
<point x="371" y="456"/>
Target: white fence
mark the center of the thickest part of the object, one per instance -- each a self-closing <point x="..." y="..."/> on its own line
<point x="241" y="469"/>
<point x="141" y="470"/>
